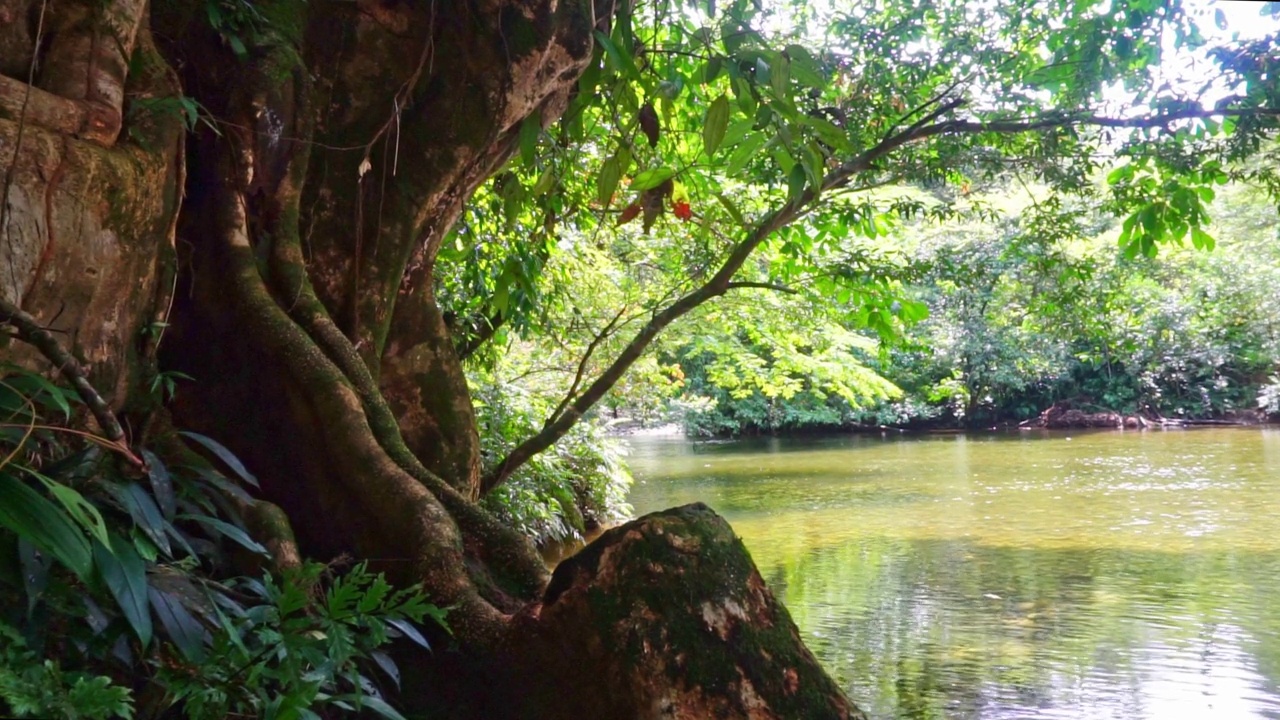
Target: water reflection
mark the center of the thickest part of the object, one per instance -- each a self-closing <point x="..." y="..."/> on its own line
<point x="1104" y="575"/>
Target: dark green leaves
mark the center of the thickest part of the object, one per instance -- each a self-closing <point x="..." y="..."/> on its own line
<point x="31" y="516"/>
<point x="227" y="530"/>
<point x="225" y="455"/>
<point x="179" y="624"/>
<point x="161" y="484"/>
<point x="145" y="513"/>
<point x="125" y="575"/>
<point x="621" y="59"/>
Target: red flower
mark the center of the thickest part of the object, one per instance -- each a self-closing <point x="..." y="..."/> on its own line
<point x="683" y="211"/>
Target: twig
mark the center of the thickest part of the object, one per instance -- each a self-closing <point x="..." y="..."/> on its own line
<point x="582" y="366"/>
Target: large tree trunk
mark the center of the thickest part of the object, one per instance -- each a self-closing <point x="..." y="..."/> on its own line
<point x="338" y="151"/>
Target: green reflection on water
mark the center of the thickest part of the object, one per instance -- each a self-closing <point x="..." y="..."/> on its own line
<point x="1102" y="575"/>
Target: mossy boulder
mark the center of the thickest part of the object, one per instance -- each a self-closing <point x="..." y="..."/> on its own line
<point x="668" y="617"/>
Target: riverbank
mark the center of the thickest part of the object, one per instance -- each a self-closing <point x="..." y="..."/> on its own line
<point x="1060" y="416"/>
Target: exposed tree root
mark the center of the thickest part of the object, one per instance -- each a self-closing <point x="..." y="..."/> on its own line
<point x="409" y="518"/>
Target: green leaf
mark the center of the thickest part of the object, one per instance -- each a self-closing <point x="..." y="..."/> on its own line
<point x="42" y="523"/>
<point x="716" y="123"/>
<point x="744" y="154"/>
<point x="126" y="577"/>
<point x="780" y="79"/>
<point x="811" y="160"/>
<point x="228" y="530"/>
<point x="804" y="68"/>
<point x="1124" y="172"/>
<point x="217" y="480"/>
<point x="224" y="455"/>
<point x="37" y="387"/>
<point x="388" y="666"/>
<point x="409" y="630"/>
<point x="1202" y="240"/>
<point x="828" y="132"/>
<point x="546" y="182"/>
<point x="80" y="509"/>
<point x="746" y="100"/>
<point x="374" y="703"/>
<point x="912" y="311"/>
<point x="621" y="60"/>
<point x="144" y="512"/>
<point x="95" y="698"/>
<point x="796" y="182"/>
<point x="732" y="209"/>
<point x="374" y="594"/>
<point x="652" y="178"/>
<point x="161" y="484"/>
<point x="530" y="131"/>
<point x="179" y="624"/>
<point x="607" y="184"/>
<point x="711" y="70"/>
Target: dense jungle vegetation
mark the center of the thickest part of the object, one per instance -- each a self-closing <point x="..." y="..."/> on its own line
<point x="315" y="315"/>
<point x="1024" y="311"/>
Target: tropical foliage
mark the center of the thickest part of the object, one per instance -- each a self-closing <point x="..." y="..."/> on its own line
<point x="942" y="169"/>
<point x="114" y="572"/>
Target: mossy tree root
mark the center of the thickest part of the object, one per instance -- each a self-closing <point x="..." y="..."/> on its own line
<point x="509" y="570"/>
<point x="399" y="511"/>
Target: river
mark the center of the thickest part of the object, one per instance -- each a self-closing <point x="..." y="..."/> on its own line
<point x="1102" y="575"/>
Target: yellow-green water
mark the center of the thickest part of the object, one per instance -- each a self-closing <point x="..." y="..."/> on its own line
<point x="1104" y="575"/>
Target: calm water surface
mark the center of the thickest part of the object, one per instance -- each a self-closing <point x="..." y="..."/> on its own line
<point x="1097" y="575"/>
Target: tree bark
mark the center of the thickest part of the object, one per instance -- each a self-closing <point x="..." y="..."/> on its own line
<point x="86" y="222"/>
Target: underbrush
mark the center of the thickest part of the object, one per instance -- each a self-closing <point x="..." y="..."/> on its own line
<point x="121" y="593"/>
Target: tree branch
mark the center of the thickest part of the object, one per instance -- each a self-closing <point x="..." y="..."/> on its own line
<point x="582" y="364"/>
<point x="1018" y="126"/>
<point x="714" y="287"/>
<point x="919" y="131"/>
<point x="762" y="286"/>
<point x="484" y="330"/>
<point x="32" y="333"/>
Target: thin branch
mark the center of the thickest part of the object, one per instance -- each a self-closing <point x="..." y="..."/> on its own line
<point x="935" y="99"/>
<point x="32" y="333"/>
<point x="763" y="286"/>
<point x="582" y="365"/>
<point x="1018" y="126"/>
